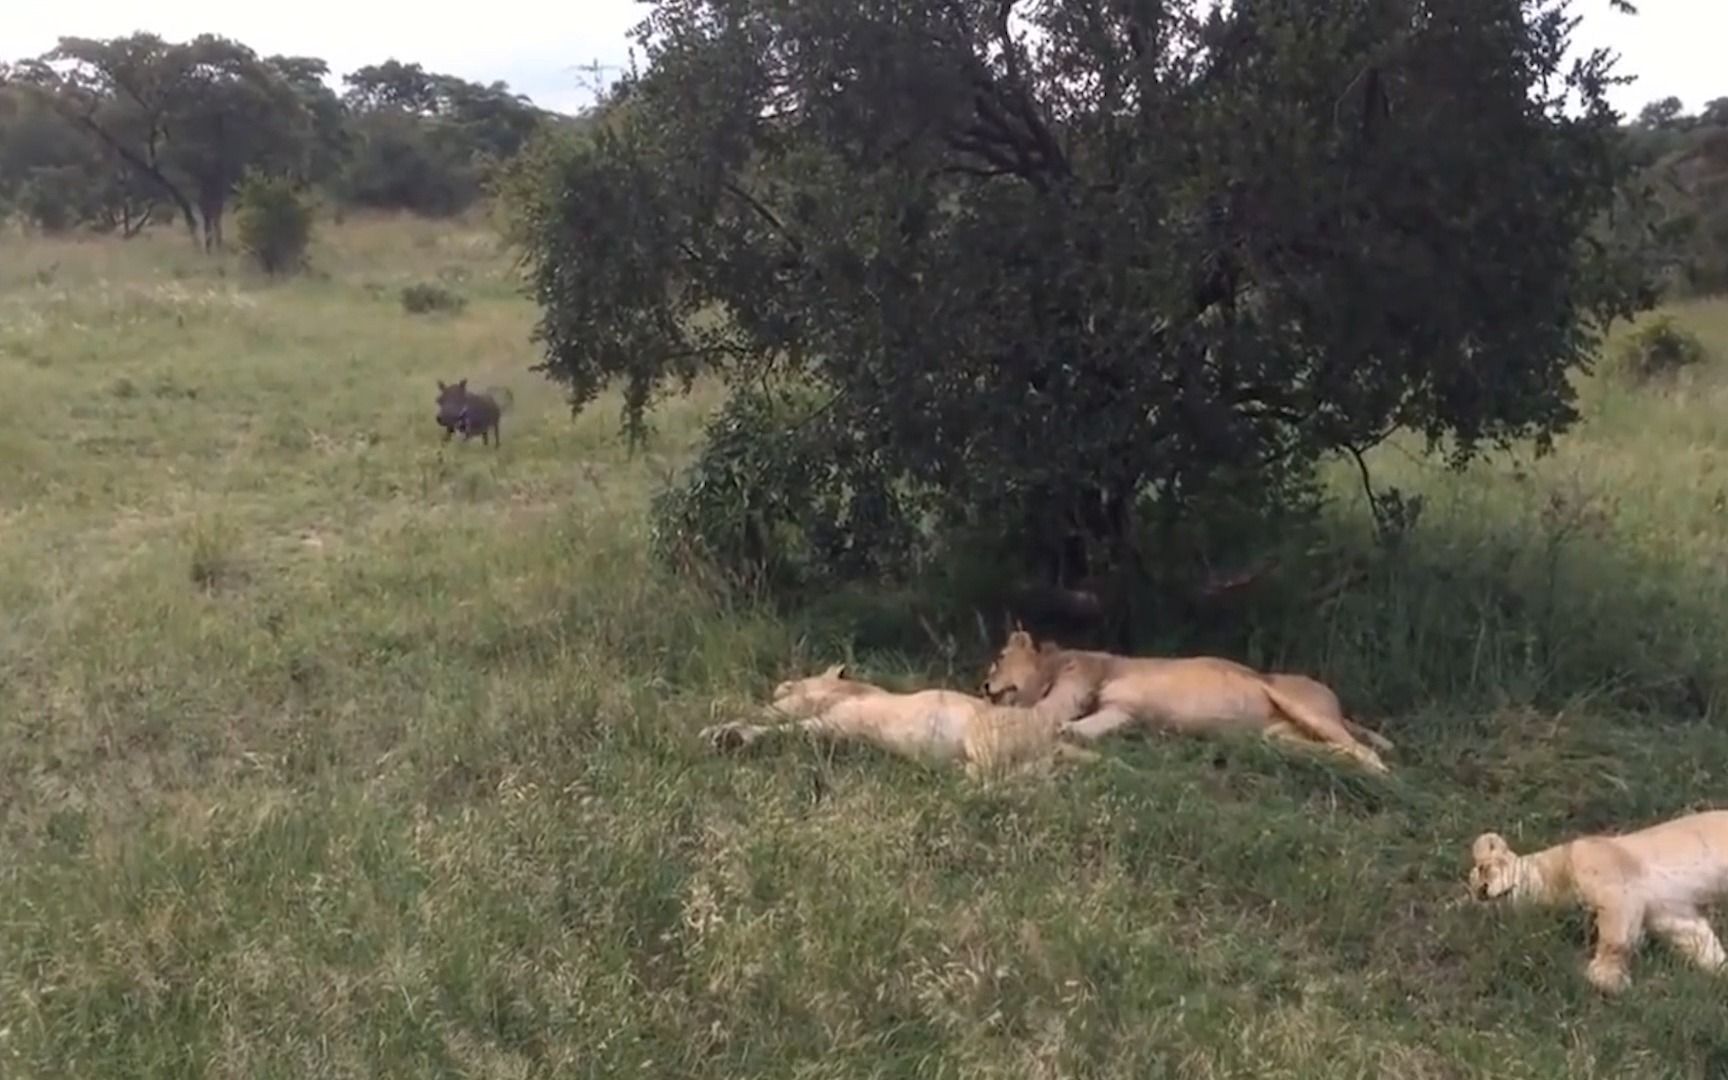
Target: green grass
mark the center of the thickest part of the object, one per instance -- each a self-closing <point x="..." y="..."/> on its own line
<point x="329" y="749"/>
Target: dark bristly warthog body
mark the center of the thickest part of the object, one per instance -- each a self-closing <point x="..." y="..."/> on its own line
<point x="471" y="412"/>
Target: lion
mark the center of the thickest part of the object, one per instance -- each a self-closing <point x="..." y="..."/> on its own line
<point x="1654" y="879"/>
<point x="943" y="727"/>
<point x="1097" y="693"/>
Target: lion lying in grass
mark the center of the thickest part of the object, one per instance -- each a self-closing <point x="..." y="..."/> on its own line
<point x="1656" y="879"/>
<point x="1097" y="693"/>
<point x="939" y="726"/>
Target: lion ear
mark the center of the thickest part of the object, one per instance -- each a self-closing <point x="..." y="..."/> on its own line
<point x="1019" y="639"/>
<point x="1488" y="845"/>
<point x="837" y="671"/>
<point x="441" y="385"/>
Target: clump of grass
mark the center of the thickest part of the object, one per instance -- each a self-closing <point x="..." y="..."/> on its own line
<point x="1657" y="350"/>
<point x="426" y="297"/>
<point x="213" y="554"/>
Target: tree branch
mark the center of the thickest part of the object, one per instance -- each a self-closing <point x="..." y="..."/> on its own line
<point x="764" y="213"/>
<point x="1367" y="483"/>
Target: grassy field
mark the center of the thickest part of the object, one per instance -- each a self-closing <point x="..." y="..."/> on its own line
<point x="327" y="749"/>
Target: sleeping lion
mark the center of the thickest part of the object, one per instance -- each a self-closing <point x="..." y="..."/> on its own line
<point x="1095" y="694"/>
<point x="1654" y="879"/>
<point x="934" y="726"/>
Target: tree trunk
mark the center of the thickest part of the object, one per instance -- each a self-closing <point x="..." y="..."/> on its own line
<point x="149" y="170"/>
<point x="211" y="205"/>
<point x="132" y="226"/>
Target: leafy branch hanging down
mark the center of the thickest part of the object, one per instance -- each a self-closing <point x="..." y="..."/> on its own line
<point x="1070" y="273"/>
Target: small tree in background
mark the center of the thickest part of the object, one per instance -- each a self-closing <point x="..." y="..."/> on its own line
<point x="1657" y="350"/>
<point x="275" y="222"/>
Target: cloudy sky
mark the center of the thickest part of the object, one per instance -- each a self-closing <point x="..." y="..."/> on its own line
<point x="539" y="48"/>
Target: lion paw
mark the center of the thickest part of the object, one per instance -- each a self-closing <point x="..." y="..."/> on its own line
<point x="723" y="737"/>
<point x="1608" y="977"/>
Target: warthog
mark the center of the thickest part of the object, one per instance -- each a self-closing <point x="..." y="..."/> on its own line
<point x="471" y="412"/>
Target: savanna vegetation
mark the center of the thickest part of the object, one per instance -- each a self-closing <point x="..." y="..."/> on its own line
<point x="328" y="748"/>
<point x="113" y="135"/>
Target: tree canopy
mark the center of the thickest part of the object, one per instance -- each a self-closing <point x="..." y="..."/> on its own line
<point x="108" y="132"/>
<point x="1074" y="274"/>
<point x="1684" y="166"/>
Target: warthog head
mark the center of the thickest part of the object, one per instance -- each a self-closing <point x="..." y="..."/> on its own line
<point x="452" y="404"/>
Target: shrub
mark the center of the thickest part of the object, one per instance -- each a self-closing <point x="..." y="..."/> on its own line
<point x="1657" y="350"/>
<point x="424" y="297"/>
<point x="50" y="200"/>
<point x="773" y="498"/>
<point x="275" y="223"/>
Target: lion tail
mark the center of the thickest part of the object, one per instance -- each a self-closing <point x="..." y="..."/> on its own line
<point x="1323" y="728"/>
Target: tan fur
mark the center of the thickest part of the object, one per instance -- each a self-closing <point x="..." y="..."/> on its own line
<point x="1655" y="879"/>
<point x="1097" y="693"/>
<point x="939" y="726"/>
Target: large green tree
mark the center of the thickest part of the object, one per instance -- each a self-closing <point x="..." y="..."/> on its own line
<point x="1071" y="270"/>
<point x="57" y="179"/>
<point x="188" y="118"/>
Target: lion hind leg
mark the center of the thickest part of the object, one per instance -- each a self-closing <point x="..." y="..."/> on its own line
<point x="1368" y="735"/>
<point x="1283" y="731"/>
<point x="1690" y="935"/>
<point x="1325" y="729"/>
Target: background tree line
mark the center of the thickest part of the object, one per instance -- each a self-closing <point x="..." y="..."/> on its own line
<point x="116" y="134"/>
<point x="1684" y="158"/>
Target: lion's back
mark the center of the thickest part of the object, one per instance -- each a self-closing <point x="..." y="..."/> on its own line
<point x="1186" y="678"/>
<point x="1687" y="836"/>
<point x="1682" y="860"/>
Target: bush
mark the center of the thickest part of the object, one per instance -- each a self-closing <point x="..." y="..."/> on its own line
<point x="425" y="297"/>
<point x="1657" y="350"/>
<point x="51" y="199"/>
<point x="275" y="223"/>
<point x="774" y="499"/>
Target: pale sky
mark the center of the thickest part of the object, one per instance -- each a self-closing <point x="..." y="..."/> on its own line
<point x="1673" y="46"/>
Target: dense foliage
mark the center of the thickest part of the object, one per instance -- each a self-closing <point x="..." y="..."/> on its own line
<point x="1078" y="277"/>
<point x="275" y="223"/>
<point x="1684" y="158"/>
<point x="115" y="133"/>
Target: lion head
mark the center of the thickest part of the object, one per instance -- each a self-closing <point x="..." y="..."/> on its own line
<point x="1494" y="869"/>
<point x="1015" y="677"/>
<point x="810" y="695"/>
